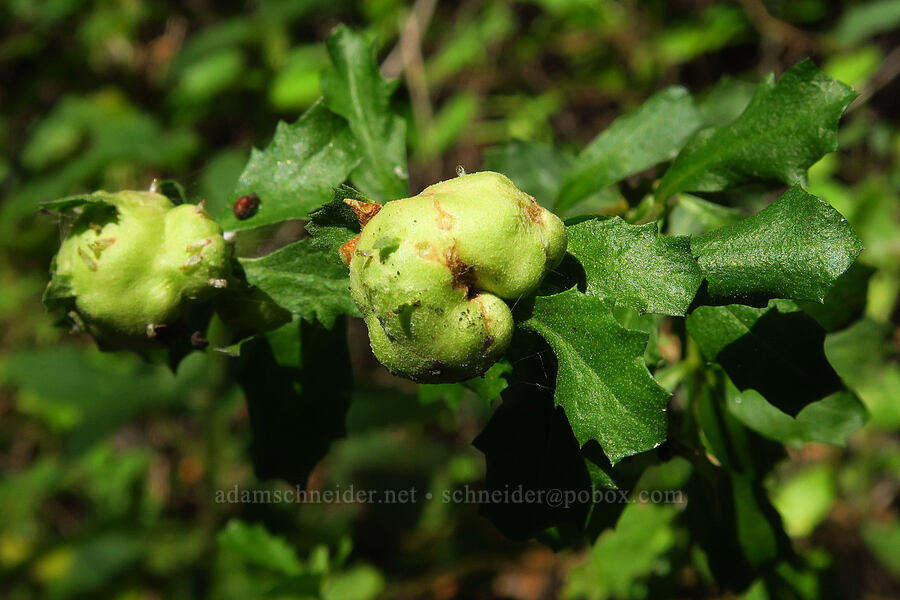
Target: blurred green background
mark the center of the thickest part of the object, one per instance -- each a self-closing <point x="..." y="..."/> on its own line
<point x="110" y="465"/>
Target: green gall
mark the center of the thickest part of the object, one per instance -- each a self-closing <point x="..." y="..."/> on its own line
<point x="431" y="274"/>
<point x="131" y="261"/>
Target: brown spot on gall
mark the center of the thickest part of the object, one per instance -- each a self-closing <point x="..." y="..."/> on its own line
<point x="348" y="249"/>
<point x="534" y="212"/>
<point x="445" y="221"/>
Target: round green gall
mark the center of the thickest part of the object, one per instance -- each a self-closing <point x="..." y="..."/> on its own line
<point x="432" y="274"/>
<point x="132" y="260"/>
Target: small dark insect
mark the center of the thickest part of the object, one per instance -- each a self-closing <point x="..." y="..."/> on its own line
<point x="246" y="206"/>
<point x="199" y="341"/>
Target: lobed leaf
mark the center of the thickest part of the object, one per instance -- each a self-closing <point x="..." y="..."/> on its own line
<point x="777" y="351"/>
<point x="797" y="247"/>
<point x="305" y="279"/>
<point x="635" y="266"/>
<point x="602" y="383"/>
<point x="786" y="128"/>
<point x="298" y="170"/>
<point x="355" y="89"/>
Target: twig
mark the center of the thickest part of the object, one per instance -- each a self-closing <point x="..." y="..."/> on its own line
<point x="777" y="30"/>
<point x="418" y="19"/>
<point x="887" y="72"/>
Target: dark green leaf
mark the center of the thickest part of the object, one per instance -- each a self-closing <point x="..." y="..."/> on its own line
<point x="355" y="89"/>
<point x="736" y="525"/>
<point x="70" y="202"/>
<point x="787" y="127"/>
<point x="171" y="189"/>
<point x="334" y="224"/>
<point x="845" y="301"/>
<point x="297" y="381"/>
<point x="305" y="279"/>
<point x="796" y="248"/>
<point x="728" y="510"/>
<point x="635" y="266"/>
<point x="737" y="449"/>
<point x="635" y="142"/>
<point x="529" y="447"/>
<point x="602" y="384"/>
<point x="776" y="351"/>
<point x="298" y="170"/>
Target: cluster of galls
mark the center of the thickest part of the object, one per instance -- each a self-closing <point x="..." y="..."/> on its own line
<point x="131" y="262"/>
<point x="432" y="274"/>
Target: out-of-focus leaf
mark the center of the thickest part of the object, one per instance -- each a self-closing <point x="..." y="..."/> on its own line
<point x="883" y="541"/>
<point x="91" y="393"/>
<point x="212" y="75"/>
<point x="635" y="266"/>
<point x="635" y="142"/>
<point x="297" y="171"/>
<point x="864" y="20"/>
<point x="114" y="131"/>
<point x="94" y="564"/>
<point x="694" y="216"/>
<point x="469" y="42"/>
<point x="256" y="545"/>
<point x="830" y="420"/>
<point x="796" y="248"/>
<point x="776" y="351"/>
<point x="452" y="120"/>
<point x="21" y="493"/>
<point x="537" y="169"/>
<point x="714" y="28"/>
<point x="725" y="101"/>
<point x="219" y="178"/>
<point x="357" y="583"/>
<point x="622" y="557"/>
<point x="355" y="89"/>
<point x="855" y="67"/>
<point x="602" y="384"/>
<point x="864" y="356"/>
<point x="296" y="85"/>
<point x="805" y="499"/>
<point x="787" y="127"/>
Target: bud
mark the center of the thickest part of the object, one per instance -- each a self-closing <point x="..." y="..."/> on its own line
<point x="131" y="261"/>
<point x="431" y="273"/>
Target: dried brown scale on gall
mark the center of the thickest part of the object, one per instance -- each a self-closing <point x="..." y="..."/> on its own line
<point x="431" y="274"/>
